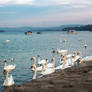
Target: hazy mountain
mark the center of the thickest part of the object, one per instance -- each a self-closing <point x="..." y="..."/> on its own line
<point x="29" y="28"/>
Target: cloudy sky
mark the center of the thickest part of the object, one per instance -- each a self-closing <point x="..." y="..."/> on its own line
<point x="44" y="12"/>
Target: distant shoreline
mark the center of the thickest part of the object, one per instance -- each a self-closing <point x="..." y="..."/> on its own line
<point x="42" y="29"/>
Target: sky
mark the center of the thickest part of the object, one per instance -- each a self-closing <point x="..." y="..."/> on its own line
<point x="44" y="13"/>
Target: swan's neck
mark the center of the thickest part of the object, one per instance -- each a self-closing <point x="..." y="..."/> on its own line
<point x="46" y="64"/>
<point x="6" y="79"/>
<point x="64" y="61"/>
<point x="71" y="60"/>
<point x="43" y="67"/>
<point x="34" y="72"/>
<point x="80" y="54"/>
<point x="58" y="51"/>
<point x="53" y="62"/>
<point x="34" y="62"/>
<point x="38" y="61"/>
<point x="5" y="64"/>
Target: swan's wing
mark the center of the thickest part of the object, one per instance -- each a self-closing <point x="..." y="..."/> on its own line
<point x="48" y="71"/>
<point x="87" y="58"/>
<point x="10" y="80"/>
<point x="39" y="68"/>
<point x="4" y="83"/>
<point x="63" y="51"/>
<point x="69" y="55"/>
<point x="43" y="61"/>
<point x="58" y="67"/>
<point x="50" y="65"/>
<point x="9" y="67"/>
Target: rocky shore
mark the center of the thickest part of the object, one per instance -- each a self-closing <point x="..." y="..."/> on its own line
<point x="74" y="79"/>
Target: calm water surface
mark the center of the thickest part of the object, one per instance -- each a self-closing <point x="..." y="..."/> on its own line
<point x="22" y="47"/>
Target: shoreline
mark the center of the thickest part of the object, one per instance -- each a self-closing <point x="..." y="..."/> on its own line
<point x="73" y="79"/>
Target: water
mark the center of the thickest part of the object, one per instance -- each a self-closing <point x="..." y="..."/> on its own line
<point x="22" y="47"/>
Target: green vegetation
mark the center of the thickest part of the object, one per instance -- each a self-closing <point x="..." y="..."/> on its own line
<point x="2" y="31"/>
<point x="79" y="28"/>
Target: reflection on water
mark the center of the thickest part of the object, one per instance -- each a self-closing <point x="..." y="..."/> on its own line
<point x="22" y="47"/>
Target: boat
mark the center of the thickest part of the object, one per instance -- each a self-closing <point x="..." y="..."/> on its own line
<point x="28" y="32"/>
<point x="71" y="32"/>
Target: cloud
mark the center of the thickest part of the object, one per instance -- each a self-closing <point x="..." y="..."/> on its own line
<point x="53" y="19"/>
<point x="7" y="12"/>
<point x="12" y="2"/>
<point x="76" y="3"/>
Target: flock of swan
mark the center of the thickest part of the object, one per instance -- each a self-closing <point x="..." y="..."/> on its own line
<point x="44" y="66"/>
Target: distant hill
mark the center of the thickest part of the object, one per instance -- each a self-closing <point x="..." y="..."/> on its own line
<point x="79" y="28"/>
<point x="2" y="31"/>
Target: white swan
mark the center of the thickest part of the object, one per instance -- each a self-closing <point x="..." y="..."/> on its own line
<point x="41" y="67"/>
<point x="12" y="59"/>
<point x="69" y="61"/>
<point x="41" y="61"/>
<point x="61" y="51"/>
<point x="52" y="64"/>
<point x="8" y="67"/>
<point x="9" y="80"/>
<point x="85" y="45"/>
<point x="33" y="67"/>
<point x="64" y="40"/>
<point x="85" y="59"/>
<point x="45" y="65"/>
<point x="49" y="70"/>
<point x="7" y="41"/>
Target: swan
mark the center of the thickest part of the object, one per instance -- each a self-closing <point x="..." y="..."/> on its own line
<point x="8" y="67"/>
<point x="41" y="61"/>
<point x="61" y="51"/>
<point x="49" y="70"/>
<point x="46" y="66"/>
<point x="33" y="67"/>
<point x="41" y="66"/>
<point x="85" y="45"/>
<point x="68" y="61"/>
<point x="12" y="59"/>
<point x="7" y="41"/>
<point x="9" y="79"/>
<point x="64" y="40"/>
<point x="85" y="59"/>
